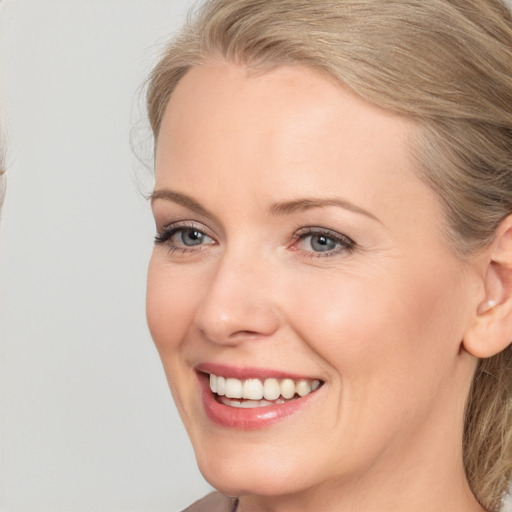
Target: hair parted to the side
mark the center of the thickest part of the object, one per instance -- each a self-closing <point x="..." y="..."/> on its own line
<point x="447" y="64"/>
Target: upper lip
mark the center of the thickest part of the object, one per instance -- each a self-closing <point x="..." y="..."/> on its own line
<point x="247" y="372"/>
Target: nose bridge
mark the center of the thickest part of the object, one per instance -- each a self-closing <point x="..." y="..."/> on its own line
<point x="237" y="302"/>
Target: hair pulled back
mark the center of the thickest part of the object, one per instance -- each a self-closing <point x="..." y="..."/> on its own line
<point x="447" y="64"/>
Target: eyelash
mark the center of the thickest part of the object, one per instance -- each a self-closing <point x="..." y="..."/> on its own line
<point x="346" y="244"/>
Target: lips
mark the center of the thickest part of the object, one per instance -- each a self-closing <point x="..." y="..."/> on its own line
<point x="250" y="399"/>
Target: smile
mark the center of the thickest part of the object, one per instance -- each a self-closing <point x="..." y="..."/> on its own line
<point x="244" y="398"/>
<point x="251" y="393"/>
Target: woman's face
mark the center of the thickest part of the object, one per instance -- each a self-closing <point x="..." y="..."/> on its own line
<point x="296" y="243"/>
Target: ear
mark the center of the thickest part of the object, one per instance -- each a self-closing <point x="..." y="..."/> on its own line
<point x="491" y="330"/>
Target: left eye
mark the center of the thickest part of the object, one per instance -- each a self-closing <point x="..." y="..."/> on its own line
<point x="323" y="242"/>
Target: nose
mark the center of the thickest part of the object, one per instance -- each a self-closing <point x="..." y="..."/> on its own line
<point x="238" y="304"/>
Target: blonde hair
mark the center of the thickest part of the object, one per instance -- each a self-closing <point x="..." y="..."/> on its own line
<point x="447" y="64"/>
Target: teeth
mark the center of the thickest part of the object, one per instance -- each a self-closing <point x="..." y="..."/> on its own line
<point x="248" y="404"/>
<point x="213" y="383"/>
<point x="287" y="388"/>
<point x="253" y="389"/>
<point x="233" y="388"/>
<point x="303" y="388"/>
<point x="271" y="389"/>
<point x="257" y="392"/>
<point x="220" y="385"/>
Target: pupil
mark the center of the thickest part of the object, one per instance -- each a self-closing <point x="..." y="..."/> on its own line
<point x="192" y="237"/>
<point x="322" y="243"/>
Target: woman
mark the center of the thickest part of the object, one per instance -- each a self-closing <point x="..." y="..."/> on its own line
<point x="331" y="286"/>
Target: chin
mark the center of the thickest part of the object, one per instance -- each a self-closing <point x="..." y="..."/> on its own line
<point x="232" y="480"/>
<point x="245" y="468"/>
<point x="237" y="470"/>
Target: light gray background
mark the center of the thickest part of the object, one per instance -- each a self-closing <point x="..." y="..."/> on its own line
<point x="86" y="421"/>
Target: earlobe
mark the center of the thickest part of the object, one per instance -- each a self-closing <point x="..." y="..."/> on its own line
<point x="491" y="329"/>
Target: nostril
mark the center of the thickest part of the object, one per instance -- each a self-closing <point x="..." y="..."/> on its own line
<point x="247" y="334"/>
<point x="244" y="324"/>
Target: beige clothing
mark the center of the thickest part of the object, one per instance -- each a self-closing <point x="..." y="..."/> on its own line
<point x="214" y="502"/>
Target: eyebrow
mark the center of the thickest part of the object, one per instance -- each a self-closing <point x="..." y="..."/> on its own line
<point x="304" y="204"/>
<point x="282" y="208"/>
<point x="181" y="199"/>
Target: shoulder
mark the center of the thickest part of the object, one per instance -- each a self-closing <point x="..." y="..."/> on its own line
<point x="214" y="502"/>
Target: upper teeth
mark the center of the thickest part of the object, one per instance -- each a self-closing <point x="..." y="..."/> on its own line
<point x="255" y="389"/>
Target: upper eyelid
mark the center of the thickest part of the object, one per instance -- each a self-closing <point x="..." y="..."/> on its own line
<point x="186" y="224"/>
<point x="318" y="229"/>
<point x="305" y="230"/>
<point x="312" y="230"/>
<point x="168" y="220"/>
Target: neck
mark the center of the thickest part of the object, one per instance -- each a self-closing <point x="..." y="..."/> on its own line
<point x="358" y="497"/>
<point x="422" y="479"/>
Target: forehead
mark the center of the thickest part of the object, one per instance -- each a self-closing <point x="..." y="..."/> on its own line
<point x="283" y="91"/>
<point x="221" y="116"/>
<point x="289" y="113"/>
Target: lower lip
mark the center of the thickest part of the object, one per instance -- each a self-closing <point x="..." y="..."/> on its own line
<point x="246" y="419"/>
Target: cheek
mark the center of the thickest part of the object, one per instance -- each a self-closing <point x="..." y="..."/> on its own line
<point x="395" y="323"/>
<point x="170" y="313"/>
<point x="170" y="305"/>
<point x="390" y="345"/>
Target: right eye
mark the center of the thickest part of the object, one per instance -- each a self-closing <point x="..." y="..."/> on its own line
<point x="189" y="237"/>
<point x="183" y="238"/>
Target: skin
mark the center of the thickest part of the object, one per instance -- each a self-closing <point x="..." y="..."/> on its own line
<point x="380" y="323"/>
